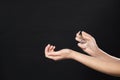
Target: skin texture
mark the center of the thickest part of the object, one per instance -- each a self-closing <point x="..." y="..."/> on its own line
<point x="96" y="59"/>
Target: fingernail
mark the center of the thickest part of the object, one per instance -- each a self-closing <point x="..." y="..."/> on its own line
<point x="78" y="43"/>
<point x="83" y="31"/>
<point x="48" y="45"/>
<point x="80" y="32"/>
<point x="54" y="47"/>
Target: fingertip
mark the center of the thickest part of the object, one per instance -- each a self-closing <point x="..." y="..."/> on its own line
<point x="48" y="44"/>
<point x="85" y="33"/>
<point x="54" y="47"/>
<point x="51" y="46"/>
<point x="78" y="34"/>
<point x="75" y="38"/>
<point x="78" y="44"/>
<point x="78" y="39"/>
<point x="81" y="46"/>
<point x="46" y="48"/>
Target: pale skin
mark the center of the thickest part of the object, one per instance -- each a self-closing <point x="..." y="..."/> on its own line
<point x="96" y="59"/>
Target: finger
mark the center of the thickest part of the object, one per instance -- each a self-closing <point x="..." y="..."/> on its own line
<point x="54" y="47"/>
<point x="54" y="53"/>
<point x="82" y="46"/>
<point x="78" y="34"/>
<point x="78" y="39"/>
<point x="51" y="47"/>
<point x="86" y="35"/>
<point x="47" y="48"/>
<point x="82" y="41"/>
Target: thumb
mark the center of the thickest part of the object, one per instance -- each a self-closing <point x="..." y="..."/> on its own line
<point x="82" y="46"/>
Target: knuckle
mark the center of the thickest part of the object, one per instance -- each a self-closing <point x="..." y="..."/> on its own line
<point x="76" y="38"/>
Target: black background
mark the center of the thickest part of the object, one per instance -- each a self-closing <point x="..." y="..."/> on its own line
<point x="26" y="27"/>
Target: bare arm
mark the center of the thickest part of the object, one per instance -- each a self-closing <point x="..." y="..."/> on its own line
<point x="104" y="62"/>
<point x="97" y="59"/>
<point x="110" y="66"/>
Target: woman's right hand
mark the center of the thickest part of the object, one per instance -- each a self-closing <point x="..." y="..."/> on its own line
<point x="89" y="45"/>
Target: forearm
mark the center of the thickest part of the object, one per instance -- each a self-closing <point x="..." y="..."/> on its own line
<point x="105" y="66"/>
<point x="105" y="56"/>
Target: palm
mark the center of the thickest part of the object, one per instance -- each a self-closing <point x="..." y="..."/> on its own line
<point x="56" y="55"/>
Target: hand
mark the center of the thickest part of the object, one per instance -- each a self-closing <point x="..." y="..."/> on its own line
<point x="89" y="45"/>
<point x="57" y="55"/>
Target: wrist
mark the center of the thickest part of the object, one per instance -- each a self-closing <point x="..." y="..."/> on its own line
<point x="95" y="52"/>
<point x="69" y="53"/>
<point x="99" y="53"/>
<point x="73" y="54"/>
